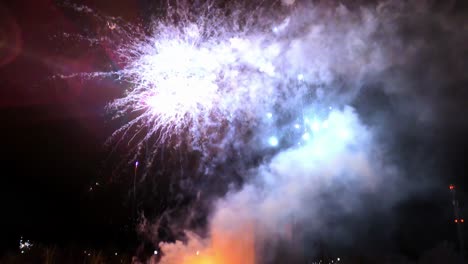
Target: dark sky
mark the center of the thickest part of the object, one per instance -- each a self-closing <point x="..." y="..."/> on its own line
<point x="53" y="134"/>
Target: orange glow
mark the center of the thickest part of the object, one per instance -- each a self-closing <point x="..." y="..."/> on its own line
<point x="227" y="247"/>
<point x="456" y="220"/>
<point x="462" y="220"/>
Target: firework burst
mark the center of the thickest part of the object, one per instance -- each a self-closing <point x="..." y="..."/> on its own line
<point x="189" y="77"/>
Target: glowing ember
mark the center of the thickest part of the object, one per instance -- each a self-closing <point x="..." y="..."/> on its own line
<point x="225" y="246"/>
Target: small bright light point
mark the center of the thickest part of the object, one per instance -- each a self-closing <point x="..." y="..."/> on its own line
<point x="300" y="77"/>
<point x="451" y="187"/>
<point x="456" y="220"/>
<point x="273" y="141"/>
<point x="269" y="115"/>
<point x="338" y="259"/>
<point x="297" y="126"/>
<point x="198" y="253"/>
<point x="462" y="220"/>
<point x="155" y="252"/>
<point x="306" y="136"/>
<point x="115" y="253"/>
<point x="136" y="164"/>
<point x="25" y="245"/>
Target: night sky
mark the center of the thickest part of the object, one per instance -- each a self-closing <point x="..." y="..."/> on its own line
<point x="56" y="131"/>
<point x="61" y="185"/>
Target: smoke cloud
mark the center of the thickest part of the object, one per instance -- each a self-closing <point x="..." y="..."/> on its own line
<point x="313" y="186"/>
<point x="306" y="104"/>
<point x="329" y="167"/>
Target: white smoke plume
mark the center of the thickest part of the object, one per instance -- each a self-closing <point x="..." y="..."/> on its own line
<point x="281" y="85"/>
<point x="339" y="159"/>
<point x="318" y="56"/>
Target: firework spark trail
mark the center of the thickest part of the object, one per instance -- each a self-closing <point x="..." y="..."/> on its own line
<point x="288" y="80"/>
<point x="182" y="82"/>
<point x="188" y="79"/>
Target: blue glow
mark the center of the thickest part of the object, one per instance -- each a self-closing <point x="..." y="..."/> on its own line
<point x="315" y="126"/>
<point x="273" y="141"/>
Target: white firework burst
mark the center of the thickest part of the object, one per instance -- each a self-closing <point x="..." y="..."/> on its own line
<point x="187" y="78"/>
